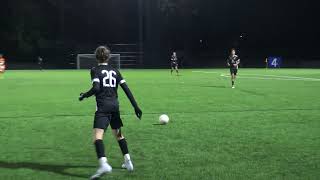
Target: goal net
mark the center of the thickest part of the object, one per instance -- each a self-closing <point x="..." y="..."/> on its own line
<point x="87" y="61"/>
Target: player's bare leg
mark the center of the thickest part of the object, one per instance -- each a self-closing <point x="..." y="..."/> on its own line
<point x="2" y="69"/>
<point x="124" y="149"/>
<point x="171" y="70"/>
<point x="177" y="71"/>
<point x="233" y="77"/>
<point x="104" y="167"/>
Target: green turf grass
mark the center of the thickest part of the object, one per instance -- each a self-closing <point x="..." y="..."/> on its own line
<point x="268" y="127"/>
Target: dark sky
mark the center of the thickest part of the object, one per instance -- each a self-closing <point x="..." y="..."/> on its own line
<point x="263" y="23"/>
<point x="262" y="20"/>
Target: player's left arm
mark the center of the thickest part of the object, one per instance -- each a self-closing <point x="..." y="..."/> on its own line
<point x="95" y="86"/>
<point x="129" y="94"/>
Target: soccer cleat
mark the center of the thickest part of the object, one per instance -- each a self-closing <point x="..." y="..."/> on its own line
<point x="104" y="169"/>
<point x="233" y="87"/>
<point x="127" y="165"/>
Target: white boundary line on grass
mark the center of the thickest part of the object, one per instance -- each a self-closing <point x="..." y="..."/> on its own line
<point x="264" y="77"/>
<point x="273" y="78"/>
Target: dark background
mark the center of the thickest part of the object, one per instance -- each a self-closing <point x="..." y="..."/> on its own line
<point x="201" y="31"/>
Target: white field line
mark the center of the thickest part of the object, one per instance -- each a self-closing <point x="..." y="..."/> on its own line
<point x="264" y="77"/>
<point x="275" y="78"/>
<point x="291" y="77"/>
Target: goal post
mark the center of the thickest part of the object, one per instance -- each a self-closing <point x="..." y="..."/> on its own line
<point x="87" y="61"/>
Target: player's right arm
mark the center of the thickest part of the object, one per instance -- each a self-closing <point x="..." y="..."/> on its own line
<point x="95" y="86"/>
<point x="127" y="91"/>
<point x="238" y="61"/>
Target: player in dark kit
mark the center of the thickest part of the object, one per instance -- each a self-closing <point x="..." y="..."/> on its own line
<point x="174" y="63"/>
<point x="233" y="63"/>
<point x="105" y="81"/>
<point x="2" y="64"/>
<point x="40" y="63"/>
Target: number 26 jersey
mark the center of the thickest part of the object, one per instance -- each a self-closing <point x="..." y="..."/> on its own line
<point x="108" y="78"/>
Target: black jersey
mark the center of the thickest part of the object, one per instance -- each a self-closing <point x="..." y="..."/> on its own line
<point x="174" y="60"/>
<point x="40" y="61"/>
<point x="109" y="78"/>
<point x="232" y="60"/>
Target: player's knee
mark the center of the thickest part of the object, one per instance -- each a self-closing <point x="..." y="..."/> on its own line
<point x="97" y="139"/>
<point x="119" y="137"/>
<point x="117" y="134"/>
<point x="98" y="134"/>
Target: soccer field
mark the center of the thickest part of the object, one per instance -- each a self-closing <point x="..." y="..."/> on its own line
<point x="268" y="127"/>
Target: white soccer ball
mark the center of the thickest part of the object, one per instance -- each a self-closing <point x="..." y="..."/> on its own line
<point x="164" y="119"/>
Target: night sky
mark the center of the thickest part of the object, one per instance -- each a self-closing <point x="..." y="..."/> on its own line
<point x="38" y="26"/>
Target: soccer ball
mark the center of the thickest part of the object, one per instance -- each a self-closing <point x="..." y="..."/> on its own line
<point x="164" y="119"/>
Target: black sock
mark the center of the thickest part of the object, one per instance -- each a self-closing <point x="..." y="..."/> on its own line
<point x="99" y="148"/>
<point x="123" y="146"/>
<point x="232" y="83"/>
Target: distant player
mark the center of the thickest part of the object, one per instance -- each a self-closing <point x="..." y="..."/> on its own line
<point x="266" y="63"/>
<point x="105" y="81"/>
<point x="40" y="63"/>
<point x="233" y="63"/>
<point x="174" y="63"/>
<point x="2" y="64"/>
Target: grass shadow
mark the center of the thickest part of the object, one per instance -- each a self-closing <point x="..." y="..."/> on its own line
<point x="158" y="124"/>
<point x="58" y="169"/>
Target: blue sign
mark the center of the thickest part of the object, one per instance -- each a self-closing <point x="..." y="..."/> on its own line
<point x="274" y="62"/>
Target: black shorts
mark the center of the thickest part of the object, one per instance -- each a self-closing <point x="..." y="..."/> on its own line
<point x="233" y="71"/>
<point x="102" y="120"/>
<point x="173" y="65"/>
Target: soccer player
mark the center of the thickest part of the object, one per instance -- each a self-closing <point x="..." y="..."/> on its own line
<point x="2" y="64"/>
<point x="40" y="63"/>
<point x="266" y="62"/>
<point x="105" y="81"/>
<point x="174" y="63"/>
<point x="233" y="62"/>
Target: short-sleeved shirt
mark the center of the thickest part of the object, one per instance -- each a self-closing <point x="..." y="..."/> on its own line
<point x="108" y="78"/>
